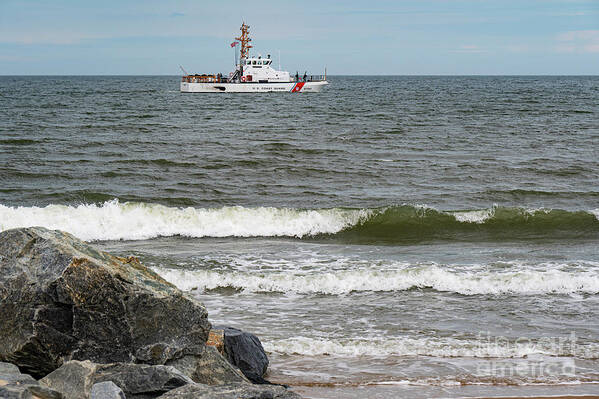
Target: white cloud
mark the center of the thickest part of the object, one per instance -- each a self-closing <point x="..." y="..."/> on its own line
<point x="57" y="38"/>
<point x="469" y="48"/>
<point x="570" y="14"/>
<point x="578" y="41"/>
<point x="13" y="58"/>
<point x="520" y="48"/>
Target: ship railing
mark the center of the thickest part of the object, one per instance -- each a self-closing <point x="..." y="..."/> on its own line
<point x="312" y="78"/>
<point x="203" y="79"/>
<point x="316" y="78"/>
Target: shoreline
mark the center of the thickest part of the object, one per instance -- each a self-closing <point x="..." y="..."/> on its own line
<point x="354" y="392"/>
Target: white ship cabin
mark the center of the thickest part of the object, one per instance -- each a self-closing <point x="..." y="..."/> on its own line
<point x="258" y="69"/>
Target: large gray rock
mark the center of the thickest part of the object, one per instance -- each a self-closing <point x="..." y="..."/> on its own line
<point x="15" y="385"/>
<point x="231" y="391"/>
<point x="244" y="350"/>
<point x="75" y="379"/>
<point x="61" y="299"/>
<point x="106" y="390"/>
<point x="27" y="392"/>
<point x="209" y="368"/>
<point x="9" y="368"/>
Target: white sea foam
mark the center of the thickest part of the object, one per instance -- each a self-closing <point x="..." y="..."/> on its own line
<point x="476" y="216"/>
<point x="477" y="347"/>
<point x="135" y="221"/>
<point x="114" y="220"/>
<point x="482" y="381"/>
<point x="527" y="282"/>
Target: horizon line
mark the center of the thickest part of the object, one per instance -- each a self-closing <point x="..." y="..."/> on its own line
<point x="332" y="75"/>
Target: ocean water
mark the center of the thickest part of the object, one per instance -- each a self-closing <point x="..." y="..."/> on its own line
<point x="388" y="237"/>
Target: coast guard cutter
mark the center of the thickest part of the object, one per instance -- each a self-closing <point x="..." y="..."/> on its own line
<point x="253" y="74"/>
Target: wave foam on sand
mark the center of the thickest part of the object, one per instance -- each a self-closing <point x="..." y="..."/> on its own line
<point x="426" y="346"/>
<point x="525" y="282"/>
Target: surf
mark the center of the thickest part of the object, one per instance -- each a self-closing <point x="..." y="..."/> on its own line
<point x="520" y="280"/>
<point x="115" y="220"/>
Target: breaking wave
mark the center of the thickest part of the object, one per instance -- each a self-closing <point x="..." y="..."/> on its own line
<point x="525" y="282"/>
<point x="113" y="220"/>
<point x="475" y="347"/>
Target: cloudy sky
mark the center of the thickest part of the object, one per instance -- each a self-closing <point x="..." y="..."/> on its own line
<point x="366" y="37"/>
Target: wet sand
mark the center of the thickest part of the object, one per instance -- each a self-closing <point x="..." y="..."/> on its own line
<point x="470" y="392"/>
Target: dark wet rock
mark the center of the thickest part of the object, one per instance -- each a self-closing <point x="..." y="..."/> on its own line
<point x="75" y="379"/>
<point x="244" y="350"/>
<point x="61" y="299"/>
<point x="231" y="391"/>
<point x="209" y="368"/>
<point x="14" y="384"/>
<point x="106" y="390"/>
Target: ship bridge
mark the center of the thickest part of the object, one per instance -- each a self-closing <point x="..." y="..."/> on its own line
<point x="256" y="61"/>
<point x="258" y="69"/>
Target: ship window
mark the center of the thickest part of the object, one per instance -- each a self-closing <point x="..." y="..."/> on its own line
<point x="254" y="63"/>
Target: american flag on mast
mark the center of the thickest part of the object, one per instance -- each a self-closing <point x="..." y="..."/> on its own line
<point x="234" y="44"/>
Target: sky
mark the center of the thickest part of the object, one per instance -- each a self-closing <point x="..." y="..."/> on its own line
<point x="366" y="37"/>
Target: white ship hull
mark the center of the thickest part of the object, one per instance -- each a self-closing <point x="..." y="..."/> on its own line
<point x="291" y="87"/>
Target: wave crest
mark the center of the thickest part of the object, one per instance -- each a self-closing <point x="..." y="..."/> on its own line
<point x="113" y="220"/>
<point x="528" y="282"/>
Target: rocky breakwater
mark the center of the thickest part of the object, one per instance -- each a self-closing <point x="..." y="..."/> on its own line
<point x="76" y="317"/>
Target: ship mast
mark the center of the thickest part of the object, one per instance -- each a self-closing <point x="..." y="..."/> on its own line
<point x="244" y="39"/>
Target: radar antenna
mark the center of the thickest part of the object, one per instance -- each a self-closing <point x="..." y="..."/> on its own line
<point x="244" y="39"/>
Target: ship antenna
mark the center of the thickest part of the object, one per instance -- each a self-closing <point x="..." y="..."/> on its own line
<point x="244" y="39"/>
<point x="184" y="71"/>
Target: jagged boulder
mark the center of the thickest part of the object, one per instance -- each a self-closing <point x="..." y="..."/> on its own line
<point x="61" y="299"/>
<point x="242" y="349"/>
<point x="106" y="390"/>
<point x="230" y="391"/>
<point x="75" y="379"/>
<point x="209" y="368"/>
<point x="15" y="385"/>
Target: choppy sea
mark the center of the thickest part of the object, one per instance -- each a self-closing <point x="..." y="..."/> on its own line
<point x="388" y="237"/>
